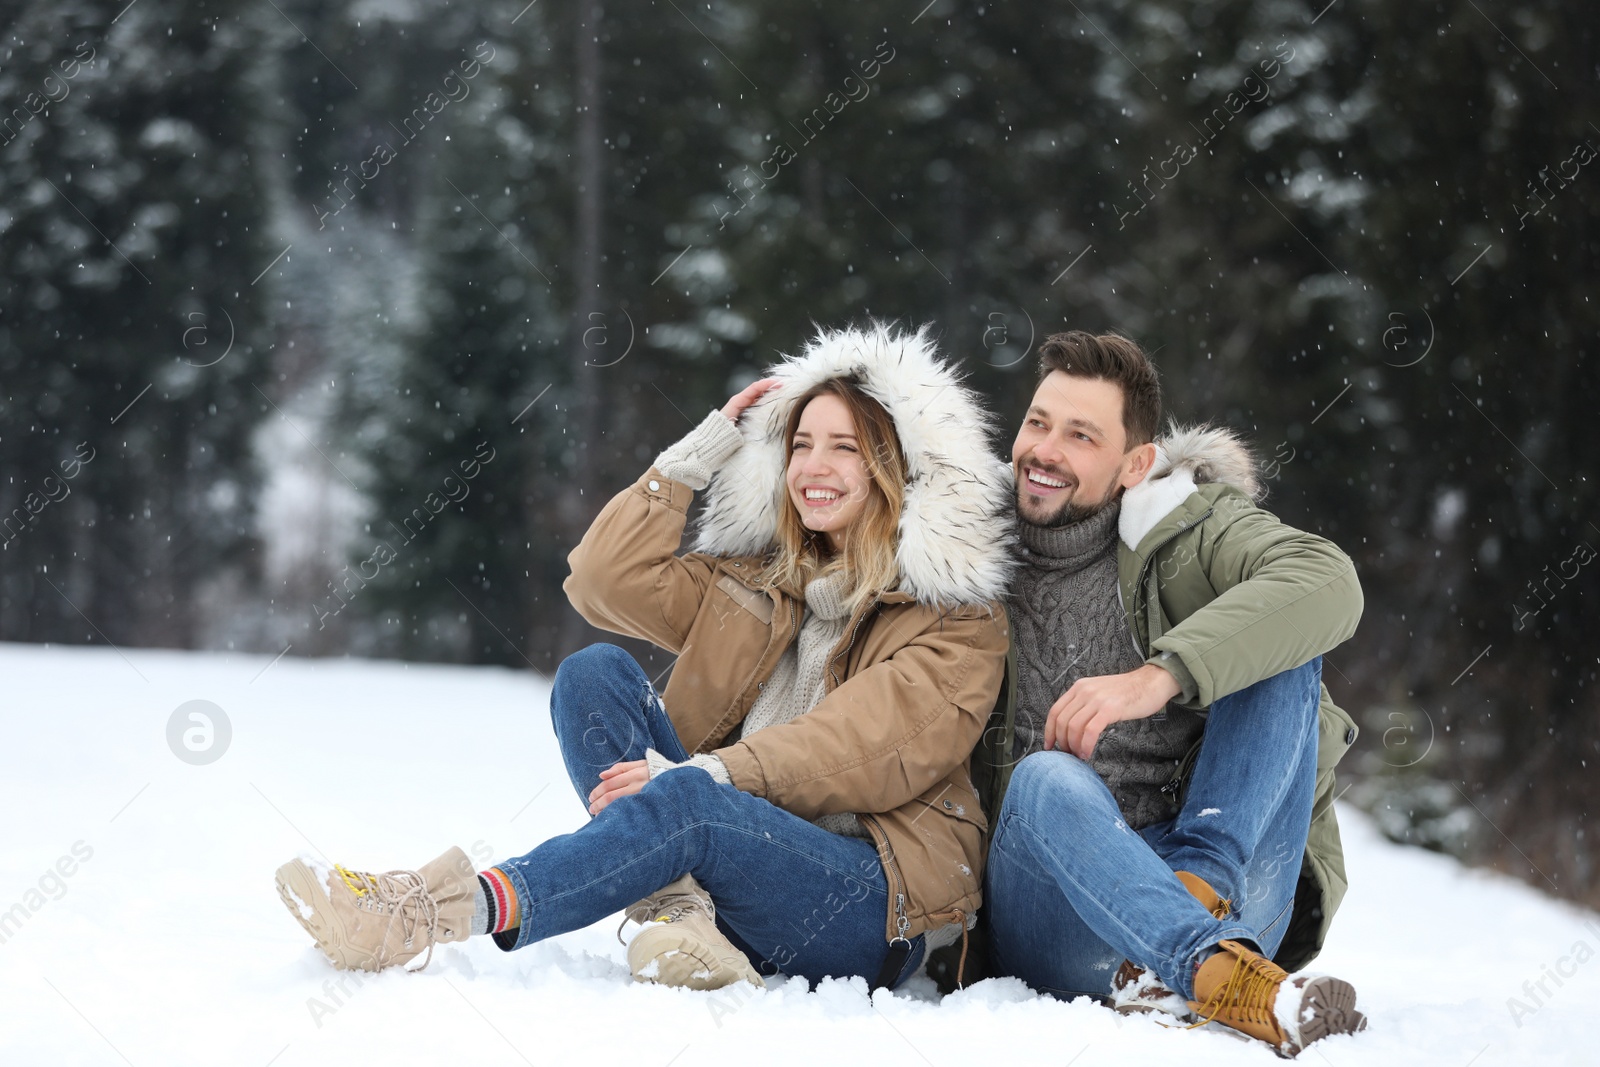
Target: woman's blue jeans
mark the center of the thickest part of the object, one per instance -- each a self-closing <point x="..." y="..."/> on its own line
<point x="1071" y="891"/>
<point x="794" y="897"/>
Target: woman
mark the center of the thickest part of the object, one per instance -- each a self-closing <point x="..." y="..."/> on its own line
<point x="798" y="798"/>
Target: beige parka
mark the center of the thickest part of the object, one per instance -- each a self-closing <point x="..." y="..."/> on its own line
<point x="910" y="685"/>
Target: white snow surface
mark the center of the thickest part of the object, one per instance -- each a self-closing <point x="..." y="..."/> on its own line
<point x="169" y="944"/>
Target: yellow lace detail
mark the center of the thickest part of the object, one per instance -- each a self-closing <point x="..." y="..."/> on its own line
<point x="352" y="879"/>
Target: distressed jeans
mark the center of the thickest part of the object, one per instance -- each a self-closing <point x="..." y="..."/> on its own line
<point x="792" y="896"/>
<point x="1071" y="891"/>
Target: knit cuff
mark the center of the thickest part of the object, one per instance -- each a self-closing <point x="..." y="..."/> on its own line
<point x="712" y="765"/>
<point x="695" y="458"/>
<point x="1189" y="690"/>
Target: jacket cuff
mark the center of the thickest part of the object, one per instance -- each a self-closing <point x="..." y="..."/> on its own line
<point x="695" y="458"/>
<point x="1189" y="689"/>
<point x="744" y="770"/>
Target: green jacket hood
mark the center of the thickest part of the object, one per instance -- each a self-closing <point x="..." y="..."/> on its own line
<point x="1186" y="458"/>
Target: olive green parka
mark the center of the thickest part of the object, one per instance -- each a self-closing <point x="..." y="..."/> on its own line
<point x="1220" y="592"/>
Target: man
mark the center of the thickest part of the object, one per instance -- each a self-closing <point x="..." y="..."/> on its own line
<point x="1166" y="755"/>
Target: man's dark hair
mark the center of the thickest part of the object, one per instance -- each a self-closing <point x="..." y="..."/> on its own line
<point x="1113" y="358"/>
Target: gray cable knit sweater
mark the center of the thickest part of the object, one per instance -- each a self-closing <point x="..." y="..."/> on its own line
<point x="1068" y="623"/>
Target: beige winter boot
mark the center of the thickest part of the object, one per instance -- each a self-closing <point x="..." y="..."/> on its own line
<point x="1134" y="989"/>
<point x="1248" y="992"/>
<point x="368" y="922"/>
<point x="680" y="944"/>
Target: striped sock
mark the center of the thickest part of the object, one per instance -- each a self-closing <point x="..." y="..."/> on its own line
<point x="500" y="902"/>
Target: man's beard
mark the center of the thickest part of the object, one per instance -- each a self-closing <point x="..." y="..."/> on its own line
<point x="1070" y="512"/>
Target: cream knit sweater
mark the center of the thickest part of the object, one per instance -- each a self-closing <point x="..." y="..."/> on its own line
<point x="796" y="685"/>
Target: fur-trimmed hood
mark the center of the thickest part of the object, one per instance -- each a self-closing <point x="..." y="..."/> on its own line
<point x="956" y="528"/>
<point x="1186" y="457"/>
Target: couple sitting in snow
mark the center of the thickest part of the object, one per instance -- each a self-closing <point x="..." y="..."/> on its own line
<point x="1084" y="694"/>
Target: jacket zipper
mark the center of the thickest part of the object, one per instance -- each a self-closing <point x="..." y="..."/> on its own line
<point x="893" y="878"/>
<point x="896" y="883"/>
<point x="1185" y="765"/>
<point x="860" y="621"/>
<point x="1174" y="786"/>
<point x="1144" y="574"/>
<point x="760" y="686"/>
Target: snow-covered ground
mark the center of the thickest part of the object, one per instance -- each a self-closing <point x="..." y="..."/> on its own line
<point x="140" y="924"/>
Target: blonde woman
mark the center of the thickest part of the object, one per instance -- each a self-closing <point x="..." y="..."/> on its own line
<point x="797" y="800"/>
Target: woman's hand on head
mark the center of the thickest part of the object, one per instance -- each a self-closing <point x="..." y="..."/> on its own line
<point x="616" y="781"/>
<point x="747" y="396"/>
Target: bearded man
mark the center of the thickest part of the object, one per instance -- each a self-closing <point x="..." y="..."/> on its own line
<point x="1166" y="838"/>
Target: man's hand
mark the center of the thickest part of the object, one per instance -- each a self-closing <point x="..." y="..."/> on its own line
<point x="617" y="781"/>
<point x="1092" y="704"/>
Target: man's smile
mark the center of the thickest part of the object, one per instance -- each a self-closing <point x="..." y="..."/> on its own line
<point x="1040" y="482"/>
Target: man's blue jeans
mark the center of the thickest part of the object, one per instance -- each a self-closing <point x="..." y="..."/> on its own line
<point x="793" y="896"/>
<point x="1072" y="892"/>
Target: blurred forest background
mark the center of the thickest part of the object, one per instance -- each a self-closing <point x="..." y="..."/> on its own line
<point x="329" y="325"/>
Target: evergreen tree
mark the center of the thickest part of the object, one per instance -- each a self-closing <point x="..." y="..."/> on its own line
<point x="128" y="323"/>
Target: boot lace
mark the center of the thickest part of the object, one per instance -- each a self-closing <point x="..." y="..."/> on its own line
<point x="665" y="910"/>
<point x="404" y="896"/>
<point x="1247" y="996"/>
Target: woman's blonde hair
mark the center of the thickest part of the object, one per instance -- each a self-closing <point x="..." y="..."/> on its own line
<point x="869" y="553"/>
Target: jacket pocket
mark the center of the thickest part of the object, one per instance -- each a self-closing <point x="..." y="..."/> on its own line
<point x="951" y="801"/>
<point x="954" y="833"/>
<point x="1336" y="732"/>
<point x="753" y="601"/>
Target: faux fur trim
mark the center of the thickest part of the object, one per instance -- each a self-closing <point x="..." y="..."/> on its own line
<point x="1186" y="457"/>
<point x="957" y="525"/>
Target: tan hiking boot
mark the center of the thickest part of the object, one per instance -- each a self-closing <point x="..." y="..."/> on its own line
<point x="680" y="944"/>
<point x="368" y="922"/>
<point x="1136" y="990"/>
<point x="1248" y="992"/>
